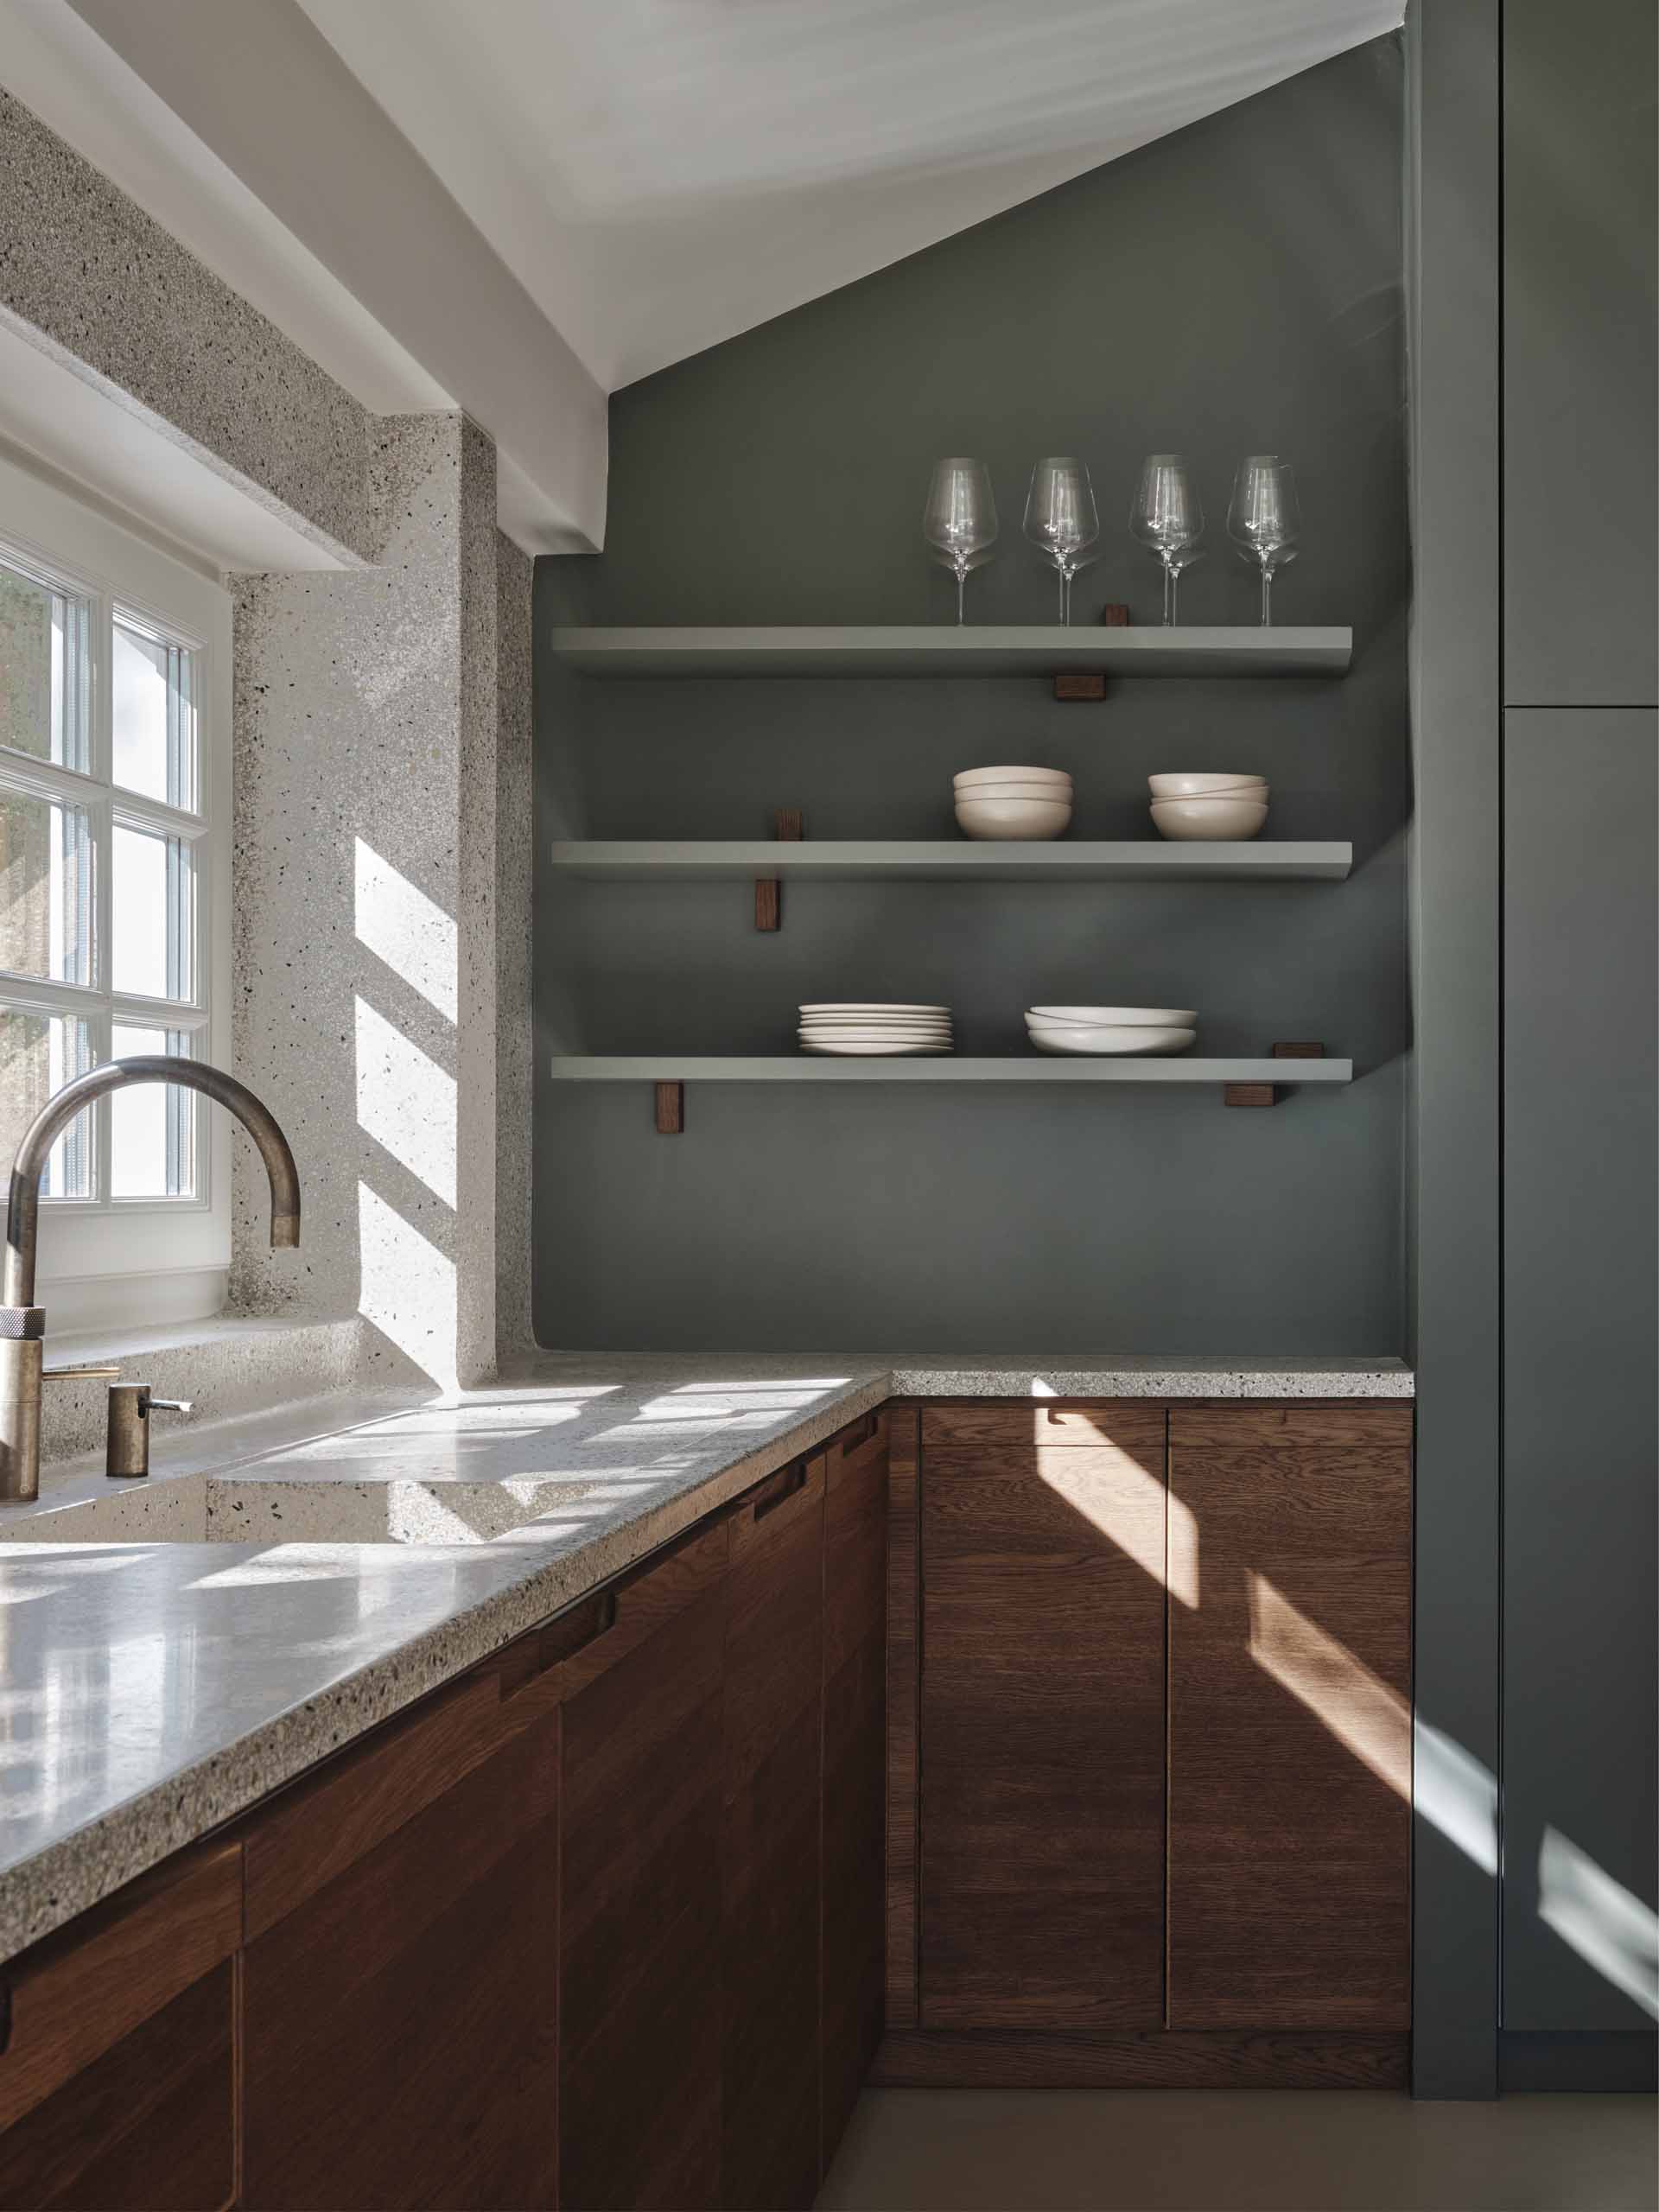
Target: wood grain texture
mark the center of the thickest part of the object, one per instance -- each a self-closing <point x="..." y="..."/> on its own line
<point x="149" y="2126"/>
<point x="853" y="1949"/>
<point x="669" y="1106"/>
<point x="323" y="1824"/>
<point x="79" y="1993"/>
<point x="1289" y="1719"/>
<point x="1153" y="2059"/>
<point x="903" y="1713"/>
<point x="400" y="2024"/>
<point x="770" y="1844"/>
<point x="1042" y="1824"/>
<point x="1025" y="1424"/>
<point x="639" y="2047"/>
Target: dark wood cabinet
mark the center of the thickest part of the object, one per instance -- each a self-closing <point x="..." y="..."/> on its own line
<point x="116" y="2079"/>
<point x="1042" y="1717"/>
<point x="400" y="1977"/>
<point x="854" y="1752"/>
<point x="770" y="1854"/>
<point x="1290" y="1718"/>
<point x="640" y="1942"/>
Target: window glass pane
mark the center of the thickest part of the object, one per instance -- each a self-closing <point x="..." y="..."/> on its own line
<point x="45" y="887"/>
<point x="45" y="669"/>
<point x="152" y="899"/>
<point x="38" y="1053"/>
<point x="153" y="1126"/>
<point x="153" y="715"/>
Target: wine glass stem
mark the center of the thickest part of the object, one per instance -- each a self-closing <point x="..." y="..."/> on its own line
<point x="961" y="578"/>
<point x="1267" y="593"/>
<point x="1169" y="595"/>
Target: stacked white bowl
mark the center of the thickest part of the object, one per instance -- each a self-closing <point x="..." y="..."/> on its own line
<point x="1208" y="806"/>
<point x="1014" y="802"/>
<point x="867" y="1029"/>
<point x="1108" y="1029"/>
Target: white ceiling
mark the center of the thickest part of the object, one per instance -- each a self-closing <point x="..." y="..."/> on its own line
<point x="661" y="174"/>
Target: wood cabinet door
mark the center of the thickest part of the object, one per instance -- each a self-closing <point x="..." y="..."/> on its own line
<point x="116" y="2079"/>
<point x="1290" y="1718"/>
<point x="400" y="2018"/>
<point x="1042" y="1717"/>
<point x="770" y="1845"/>
<point x="639" y="2008"/>
<point x="854" y="1753"/>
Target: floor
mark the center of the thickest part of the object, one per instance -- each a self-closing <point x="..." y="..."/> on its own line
<point x="1096" y="2151"/>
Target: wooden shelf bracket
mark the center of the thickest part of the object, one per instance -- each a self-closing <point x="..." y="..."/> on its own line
<point x="768" y="890"/>
<point x="1092" y="684"/>
<point x="1269" y="1093"/>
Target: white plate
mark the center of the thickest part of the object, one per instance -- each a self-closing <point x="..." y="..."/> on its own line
<point x="874" y="1036"/>
<point x="875" y="1052"/>
<point x="1098" y="1017"/>
<point x="1112" y="1042"/>
<point x="867" y="1005"/>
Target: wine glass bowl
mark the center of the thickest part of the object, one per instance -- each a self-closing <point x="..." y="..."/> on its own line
<point x="1265" y="518"/>
<point x="959" y="521"/>
<point x="1168" y="518"/>
<point x="1062" y="519"/>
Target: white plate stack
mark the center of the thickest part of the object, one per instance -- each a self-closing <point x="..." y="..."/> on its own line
<point x="1205" y="807"/>
<point x="1033" y="802"/>
<point x="1107" y="1029"/>
<point x="863" y="1029"/>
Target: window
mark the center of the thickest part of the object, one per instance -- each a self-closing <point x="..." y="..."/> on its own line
<point x="112" y="788"/>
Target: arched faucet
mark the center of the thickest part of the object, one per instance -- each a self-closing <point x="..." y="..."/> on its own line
<point x="22" y="1324"/>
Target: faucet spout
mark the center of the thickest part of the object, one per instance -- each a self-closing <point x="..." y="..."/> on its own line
<point x="22" y="1324"/>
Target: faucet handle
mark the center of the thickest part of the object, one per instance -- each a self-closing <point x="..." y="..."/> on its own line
<point x="79" y="1373"/>
<point x="127" y="1451"/>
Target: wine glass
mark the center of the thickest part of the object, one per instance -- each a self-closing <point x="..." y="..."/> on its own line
<point x="1168" y="518"/>
<point x="1265" y="519"/>
<point x="959" y="521"/>
<point x="1062" y="519"/>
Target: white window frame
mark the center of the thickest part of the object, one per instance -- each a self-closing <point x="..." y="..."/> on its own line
<point x="105" y="1261"/>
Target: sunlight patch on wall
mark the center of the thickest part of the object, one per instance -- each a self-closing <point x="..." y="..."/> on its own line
<point x="406" y="1102"/>
<point x="1457" y="1796"/>
<point x="1359" y="1708"/>
<point x="1611" y="1930"/>
<point x="407" y="1288"/>
<point x="411" y="932"/>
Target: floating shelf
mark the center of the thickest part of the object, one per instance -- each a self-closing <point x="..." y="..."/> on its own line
<point x="938" y="649"/>
<point x="860" y="860"/>
<point x="781" y="1067"/>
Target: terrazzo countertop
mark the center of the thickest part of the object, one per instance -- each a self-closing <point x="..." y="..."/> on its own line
<point x="316" y="1581"/>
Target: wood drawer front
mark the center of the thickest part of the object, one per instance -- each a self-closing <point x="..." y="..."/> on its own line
<point x="77" y="1993"/>
<point x="149" y="2126"/>
<point x="645" y="1601"/>
<point x="322" y="1825"/>
<point x="855" y="1550"/>
<point x="400" y="2032"/>
<point x="1042" y="1766"/>
<point x="641" y="1941"/>
<point x="1290" y="1720"/>
<point x="973" y="1425"/>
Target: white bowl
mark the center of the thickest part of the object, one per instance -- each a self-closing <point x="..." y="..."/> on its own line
<point x="1042" y="792"/>
<point x="970" y="779"/>
<point x="1192" y="786"/>
<point x="1122" y="1017"/>
<point x="1069" y="1037"/>
<point x="1209" y="817"/>
<point x="1013" y="818"/>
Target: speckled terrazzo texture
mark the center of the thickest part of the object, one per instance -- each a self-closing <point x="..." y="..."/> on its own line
<point x="514" y="873"/>
<point x="349" y="722"/>
<point x="1130" y="1376"/>
<point x="478" y="735"/>
<point x="222" y="1367"/>
<point x="86" y="273"/>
